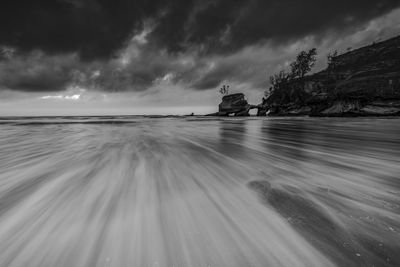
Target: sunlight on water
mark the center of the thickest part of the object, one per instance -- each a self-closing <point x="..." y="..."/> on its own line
<point x="199" y="192"/>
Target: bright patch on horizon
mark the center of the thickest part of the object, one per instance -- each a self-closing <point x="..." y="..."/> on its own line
<point x="73" y="92"/>
<point x="73" y="97"/>
<point x="67" y="97"/>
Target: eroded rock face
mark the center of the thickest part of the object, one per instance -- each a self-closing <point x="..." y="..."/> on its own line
<point x="234" y="104"/>
<point x="362" y="82"/>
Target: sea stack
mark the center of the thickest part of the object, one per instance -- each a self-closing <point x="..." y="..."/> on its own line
<point x="234" y="104"/>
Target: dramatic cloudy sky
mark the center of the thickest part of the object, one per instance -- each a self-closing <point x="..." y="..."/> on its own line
<point x="166" y="56"/>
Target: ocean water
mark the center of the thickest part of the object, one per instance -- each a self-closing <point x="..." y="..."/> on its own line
<point x="197" y="191"/>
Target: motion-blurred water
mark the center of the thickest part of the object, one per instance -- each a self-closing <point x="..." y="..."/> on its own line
<point x="137" y="191"/>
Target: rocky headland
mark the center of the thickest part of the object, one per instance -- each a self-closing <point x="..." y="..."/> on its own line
<point x="362" y="82"/>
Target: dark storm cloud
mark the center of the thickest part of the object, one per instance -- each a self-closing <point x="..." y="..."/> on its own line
<point x="226" y="25"/>
<point x="96" y="28"/>
<point x="37" y="71"/>
<point x="85" y="36"/>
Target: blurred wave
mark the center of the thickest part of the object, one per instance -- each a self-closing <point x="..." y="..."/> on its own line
<point x="140" y="191"/>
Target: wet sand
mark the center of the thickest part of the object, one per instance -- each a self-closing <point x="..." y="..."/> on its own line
<point x="136" y="191"/>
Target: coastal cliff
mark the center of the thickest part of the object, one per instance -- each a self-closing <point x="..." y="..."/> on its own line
<point x="362" y="82"/>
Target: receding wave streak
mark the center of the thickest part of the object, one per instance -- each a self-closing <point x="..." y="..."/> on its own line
<point x="200" y="192"/>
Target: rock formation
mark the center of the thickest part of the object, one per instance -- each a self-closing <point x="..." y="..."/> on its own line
<point x="362" y="82"/>
<point x="234" y="104"/>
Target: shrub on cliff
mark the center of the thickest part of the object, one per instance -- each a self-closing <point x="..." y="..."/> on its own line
<point x="331" y="59"/>
<point x="279" y="78"/>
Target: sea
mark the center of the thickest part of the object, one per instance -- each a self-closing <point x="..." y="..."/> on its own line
<point x="199" y="191"/>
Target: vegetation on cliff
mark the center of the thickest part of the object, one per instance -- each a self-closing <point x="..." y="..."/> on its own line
<point x="298" y="69"/>
<point x="361" y="82"/>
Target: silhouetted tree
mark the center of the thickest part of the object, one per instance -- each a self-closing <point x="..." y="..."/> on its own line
<point x="303" y="64"/>
<point x="224" y="90"/>
<point x="299" y="68"/>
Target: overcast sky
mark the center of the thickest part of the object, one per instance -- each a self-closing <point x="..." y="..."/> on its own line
<point x="79" y="57"/>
